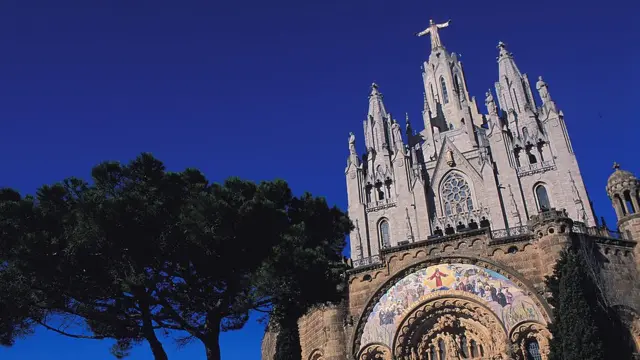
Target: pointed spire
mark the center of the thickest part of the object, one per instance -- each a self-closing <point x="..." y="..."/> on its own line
<point x="512" y="88"/>
<point x="376" y="106"/>
<point x="378" y="122"/>
<point x="502" y="47"/>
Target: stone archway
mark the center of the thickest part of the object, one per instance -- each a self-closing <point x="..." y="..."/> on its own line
<point x="375" y="352"/>
<point x="316" y="355"/>
<point x="482" y="283"/>
<point x="451" y="325"/>
<point x="522" y="336"/>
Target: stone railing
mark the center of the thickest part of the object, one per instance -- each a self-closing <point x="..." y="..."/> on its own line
<point x="511" y="232"/>
<point x="516" y="233"/>
<point x="601" y="232"/>
<point x="536" y="168"/>
<point x="366" y="261"/>
<point x="379" y="205"/>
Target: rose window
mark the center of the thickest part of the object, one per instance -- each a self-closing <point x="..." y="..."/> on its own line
<point x="456" y="195"/>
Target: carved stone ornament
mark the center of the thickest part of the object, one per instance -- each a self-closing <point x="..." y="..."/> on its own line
<point x="375" y="352"/>
<point x="450" y="160"/>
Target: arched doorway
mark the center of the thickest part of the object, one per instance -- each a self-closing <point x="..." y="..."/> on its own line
<point x="451" y="325"/>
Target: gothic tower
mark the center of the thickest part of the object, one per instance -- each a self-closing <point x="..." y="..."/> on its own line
<point x="465" y="170"/>
<point x="623" y="189"/>
<point x="532" y="149"/>
<point x="385" y="192"/>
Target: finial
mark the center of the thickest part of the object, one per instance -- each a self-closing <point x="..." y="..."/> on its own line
<point x="616" y="166"/>
<point x="374" y="85"/>
<point x="503" y="48"/>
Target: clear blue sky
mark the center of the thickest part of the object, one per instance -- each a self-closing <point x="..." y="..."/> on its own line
<point x="271" y="89"/>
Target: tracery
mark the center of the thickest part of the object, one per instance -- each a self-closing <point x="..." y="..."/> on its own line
<point x="456" y="195"/>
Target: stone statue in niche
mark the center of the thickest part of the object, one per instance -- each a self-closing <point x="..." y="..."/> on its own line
<point x="491" y="105"/>
<point x="352" y="143"/>
<point x="449" y="157"/>
<point x="543" y="90"/>
<point x="397" y="134"/>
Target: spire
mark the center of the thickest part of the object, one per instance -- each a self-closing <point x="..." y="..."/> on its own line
<point x="377" y="125"/>
<point x="512" y="88"/>
<point x="376" y="106"/>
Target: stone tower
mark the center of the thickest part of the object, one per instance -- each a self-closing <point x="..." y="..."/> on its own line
<point x="383" y="188"/>
<point x="623" y="189"/>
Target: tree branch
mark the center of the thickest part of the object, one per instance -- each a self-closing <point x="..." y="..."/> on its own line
<point x="75" y="336"/>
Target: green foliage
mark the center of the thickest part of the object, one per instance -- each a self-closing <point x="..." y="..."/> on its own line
<point x="288" y="342"/>
<point x="584" y="326"/>
<point x="141" y="249"/>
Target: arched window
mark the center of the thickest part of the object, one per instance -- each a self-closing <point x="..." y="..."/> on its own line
<point x="385" y="234"/>
<point x="445" y="95"/>
<point x="627" y="200"/>
<point x="456" y="194"/>
<point x="621" y="205"/>
<point x="442" y="351"/>
<point x="525" y="133"/>
<point x="458" y="85"/>
<point x="532" y="158"/>
<point x="543" y="198"/>
<point x="533" y="350"/>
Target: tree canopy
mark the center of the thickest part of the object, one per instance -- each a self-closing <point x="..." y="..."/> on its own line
<point x="142" y="250"/>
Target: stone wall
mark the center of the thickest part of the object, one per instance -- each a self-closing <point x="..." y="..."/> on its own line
<point x="322" y="333"/>
<point x="269" y="344"/>
<point x="329" y="332"/>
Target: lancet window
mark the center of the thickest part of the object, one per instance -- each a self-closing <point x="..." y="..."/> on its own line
<point x="543" y="198"/>
<point x="385" y="234"/>
<point x="456" y="195"/>
<point x="445" y="94"/>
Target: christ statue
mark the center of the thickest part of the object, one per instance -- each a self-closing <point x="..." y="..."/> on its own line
<point x="433" y="30"/>
<point x="438" y="276"/>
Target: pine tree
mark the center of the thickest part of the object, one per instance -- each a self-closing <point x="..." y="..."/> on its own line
<point x="584" y="326"/>
<point x="576" y="335"/>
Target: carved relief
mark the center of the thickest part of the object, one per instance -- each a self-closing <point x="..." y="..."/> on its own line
<point x="375" y="351"/>
<point x="452" y="326"/>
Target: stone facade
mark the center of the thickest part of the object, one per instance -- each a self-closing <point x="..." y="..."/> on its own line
<point x="457" y="227"/>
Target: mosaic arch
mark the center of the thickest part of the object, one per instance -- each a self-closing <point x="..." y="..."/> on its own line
<point x="510" y="304"/>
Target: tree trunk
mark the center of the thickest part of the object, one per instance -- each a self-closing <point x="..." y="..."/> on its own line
<point x="156" y="347"/>
<point x="211" y="339"/>
<point x="147" y="329"/>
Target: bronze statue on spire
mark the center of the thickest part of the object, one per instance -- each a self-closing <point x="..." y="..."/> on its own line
<point x="433" y="30"/>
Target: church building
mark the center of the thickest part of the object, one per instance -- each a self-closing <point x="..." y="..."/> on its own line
<point x="457" y="225"/>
